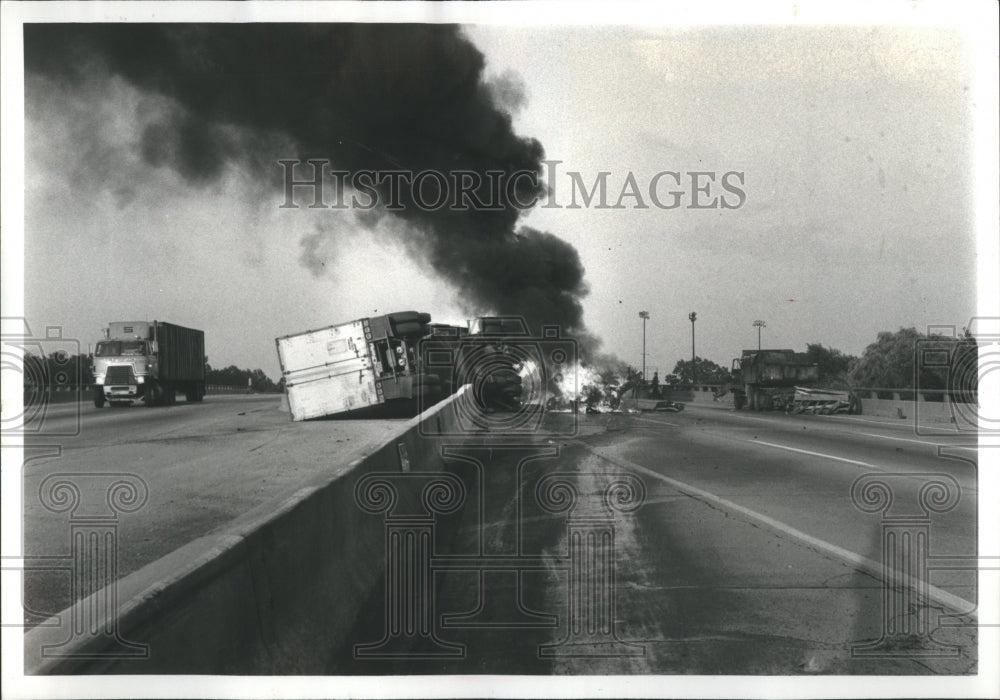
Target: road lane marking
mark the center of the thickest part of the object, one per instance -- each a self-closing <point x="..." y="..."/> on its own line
<point x="869" y="566"/>
<point x="919" y="442"/>
<point x="658" y="422"/>
<point x="898" y="423"/>
<point x="775" y="421"/>
<point x="965" y="487"/>
<point x="743" y="416"/>
<point x="818" y="454"/>
<point x="867" y="465"/>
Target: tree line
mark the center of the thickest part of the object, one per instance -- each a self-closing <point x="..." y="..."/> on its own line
<point x="902" y="359"/>
<point x="234" y="376"/>
<point x="61" y="370"/>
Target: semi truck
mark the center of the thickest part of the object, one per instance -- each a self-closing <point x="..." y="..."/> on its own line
<point x="766" y="379"/>
<point x="403" y="357"/>
<point x="784" y="379"/>
<point x="148" y="361"/>
<point x="350" y="366"/>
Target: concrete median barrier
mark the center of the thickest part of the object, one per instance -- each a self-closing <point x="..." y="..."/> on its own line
<point x="702" y="395"/>
<point x="902" y="409"/>
<point x="271" y="593"/>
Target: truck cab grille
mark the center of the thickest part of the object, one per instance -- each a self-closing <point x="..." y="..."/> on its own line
<point x="119" y="374"/>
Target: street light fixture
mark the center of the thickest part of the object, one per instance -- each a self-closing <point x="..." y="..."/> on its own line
<point x="694" y="369"/>
<point x="758" y="325"/>
<point x="644" y="315"/>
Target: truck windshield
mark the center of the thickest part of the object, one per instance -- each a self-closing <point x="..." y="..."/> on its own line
<point x="114" y="348"/>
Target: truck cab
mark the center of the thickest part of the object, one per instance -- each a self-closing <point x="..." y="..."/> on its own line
<point x="148" y="360"/>
<point x="124" y="362"/>
<point x="766" y="379"/>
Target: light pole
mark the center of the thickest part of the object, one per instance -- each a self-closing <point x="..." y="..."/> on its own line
<point x="644" y="315"/>
<point x="694" y="369"/>
<point x="758" y="325"/>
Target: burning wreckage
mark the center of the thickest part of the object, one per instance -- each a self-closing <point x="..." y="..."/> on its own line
<point x="348" y="119"/>
<point x="404" y="359"/>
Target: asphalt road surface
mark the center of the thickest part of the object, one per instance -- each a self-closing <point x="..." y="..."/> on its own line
<point x="702" y="542"/>
<point x="202" y="466"/>
<point x="745" y="557"/>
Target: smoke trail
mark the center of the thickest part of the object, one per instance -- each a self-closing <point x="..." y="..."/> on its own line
<point x="364" y="96"/>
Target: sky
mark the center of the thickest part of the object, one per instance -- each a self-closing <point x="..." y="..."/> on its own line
<point x="852" y="148"/>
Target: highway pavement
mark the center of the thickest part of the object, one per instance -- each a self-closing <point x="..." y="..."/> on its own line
<point x="747" y="556"/>
<point x="201" y="465"/>
<point x="702" y="542"/>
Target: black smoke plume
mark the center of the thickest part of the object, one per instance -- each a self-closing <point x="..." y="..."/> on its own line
<point x="364" y="96"/>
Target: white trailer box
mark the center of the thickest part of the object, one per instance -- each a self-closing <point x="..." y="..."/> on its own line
<point x="354" y="365"/>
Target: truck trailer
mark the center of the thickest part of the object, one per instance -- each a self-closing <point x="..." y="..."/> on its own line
<point x="149" y="361"/>
<point x="404" y="357"/>
<point x="784" y="379"/>
<point x="353" y="365"/>
<point x="766" y="379"/>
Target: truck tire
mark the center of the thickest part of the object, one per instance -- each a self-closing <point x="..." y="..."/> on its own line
<point x="410" y="328"/>
<point x="854" y="407"/>
<point x="153" y="395"/>
<point x="738" y="401"/>
<point x="409" y="316"/>
<point x="99" y="397"/>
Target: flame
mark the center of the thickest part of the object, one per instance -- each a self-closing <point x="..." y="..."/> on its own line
<point x="574" y="381"/>
<point x="579" y="386"/>
<point x="568" y="387"/>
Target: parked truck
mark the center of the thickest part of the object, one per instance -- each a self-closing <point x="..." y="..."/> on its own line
<point x="353" y="365"/>
<point x="149" y="361"/>
<point x="784" y="379"/>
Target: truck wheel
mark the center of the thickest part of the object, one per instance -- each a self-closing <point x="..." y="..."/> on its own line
<point x="738" y="401"/>
<point x="99" y="397"/>
<point x="854" y="407"/>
